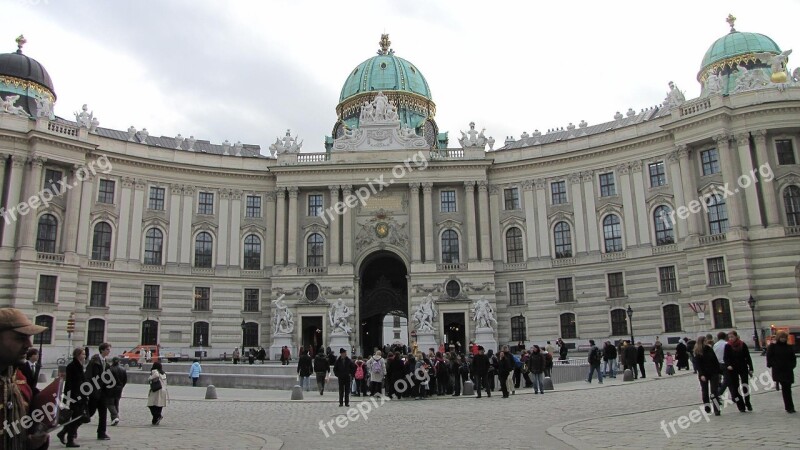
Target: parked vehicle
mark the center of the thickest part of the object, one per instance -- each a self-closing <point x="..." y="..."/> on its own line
<point x="794" y="336"/>
<point x="135" y="356"/>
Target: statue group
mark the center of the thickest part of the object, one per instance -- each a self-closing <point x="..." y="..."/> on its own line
<point x="483" y="314"/>
<point x="424" y="315"/>
<point x="284" y="319"/>
<point x="338" y="315"/>
<point x="379" y="110"/>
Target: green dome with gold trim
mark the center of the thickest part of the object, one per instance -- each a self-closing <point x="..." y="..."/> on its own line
<point x="735" y="48"/>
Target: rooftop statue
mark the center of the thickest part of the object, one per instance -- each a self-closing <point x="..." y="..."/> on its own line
<point x="284" y="319"/>
<point x="7" y="106"/>
<point x="473" y="138"/>
<point x="748" y="80"/>
<point x="288" y="144"/>
<point x="379" y="110"/>
<point x="44" y="107"/>
<point x="777" y="64"/>
<point x="84" y="118"/>
<point x="713" y="84"/>
<point x="675" y="97"/>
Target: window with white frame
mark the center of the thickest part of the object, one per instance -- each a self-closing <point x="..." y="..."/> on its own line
<point x="558" y="192"/>
<point x="791" y="203"/>
<point x="717" y="214"/>
<point x="450" y="251"/>
<point x="563" y="240"/>
<point x="566" y="292"/>
<point x="658" y="176"/>
<point x="662" y="217"/>
<point x="516" y="293"/>
<point x="716" y="271"/>
<point x="47" y="289"/>
<point x="710" y="160"/>
<point x="152" y="296"/>
<point x="98" y="297"/>
<point x="514" y="251"/>
<point x="619" y="322"/>
<point x="616" y="285"/>
<point x="612" y="233"/>
<point x="668" y="279"/>
<point x="315" y="251"/>
<point x="315" y="205"/>
<point x="672" y="318"/>
<point x="722" y="313"/>
<point x="156" y="200"/>
<point x="203" y="248"/>
<point x="568" y="328"/>
<point x="511" y="198"/>
<point x="205" y="203"/>
<point x="105" y="193"/>
<point x="251" y="300"/>
<point x="448" y="201"/>
<point x="607" y="185"/>
<point x="253" y="208"/>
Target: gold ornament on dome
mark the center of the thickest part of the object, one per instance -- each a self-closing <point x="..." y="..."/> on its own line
<point x="731" y="19"/>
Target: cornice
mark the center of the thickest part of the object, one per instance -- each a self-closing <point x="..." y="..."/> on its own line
<point x="213" y="172"/>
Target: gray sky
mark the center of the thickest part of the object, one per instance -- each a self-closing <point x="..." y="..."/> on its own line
<point x="248" y="70"/>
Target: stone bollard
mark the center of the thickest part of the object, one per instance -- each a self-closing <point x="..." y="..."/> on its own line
<point x="55" y="373"/>
<point x="628" y="375"/>
<point x="43" y="377"/>
<point x="548" y="384"/>
<point x="297" y="392"/>
<point x="211" y="392"/>
<point x="468" y="389"/>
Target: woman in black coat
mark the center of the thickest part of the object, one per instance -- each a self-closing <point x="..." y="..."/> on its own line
<point x="77" y="401"/>
<point x="708" y="373"/>
<point x="782" y="360"/>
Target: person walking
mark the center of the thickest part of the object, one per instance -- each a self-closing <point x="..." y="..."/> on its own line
<point x="194" y="372"/>
<point x="31" y="369"/>
<point x="305" y="367"/>
<point x="782" y="360"/>
<point x="630" y="355"/>
<point x="377" y="371"/>
<point x="658" y="357"/>
<point x="236" y="355"/>
<point x="719" y="352"/>
<point x="739" y="367"/>
<point x="536" y="365"/>
<point x="594" y="363"/>
<point x="640" y="358"/>
<point x="157" y="399"/>
<point x="682" y="354"/>
<point x="609" y="360"/>
<point x="670" y="361"/>
<point x="97" y="398"/>
<point x="286" y="355"/>
<point x="562" y="351"/>
<point x="344" y="368"/>
<point x="75" y="377"/>
<point x="114" y="393"/>
<point x="480" y="370"/>
<point x="321" y="369"/>
<point x="505" y="365"/>
<point x="708" y="374"/>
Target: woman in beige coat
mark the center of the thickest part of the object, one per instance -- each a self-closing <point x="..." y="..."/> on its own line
<point x="157" y="400"/>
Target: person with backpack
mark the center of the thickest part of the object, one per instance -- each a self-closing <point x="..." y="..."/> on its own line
<point x="360" y="376"/>
<point x="377" y="370"/>
<point x="305" y="367"/>
<point x="517" y="369"/>
<point x="594" y="363"/>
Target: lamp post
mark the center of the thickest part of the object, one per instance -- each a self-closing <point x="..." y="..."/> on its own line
<point x="244" y="325"/>
<point x="630" y="321"/>
<point x="752" y="302"/>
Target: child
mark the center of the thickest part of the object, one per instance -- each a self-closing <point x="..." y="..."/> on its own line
<point x="670" y="360"/>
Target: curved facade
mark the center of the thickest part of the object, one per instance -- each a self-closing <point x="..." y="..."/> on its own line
<point x="680" y="213"/>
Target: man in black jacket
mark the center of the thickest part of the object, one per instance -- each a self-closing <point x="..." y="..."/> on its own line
<point x="629" y="355"/>
<point x="480" y="370"/>
<point x="610" y="359"/>
<point x="113" y="394"/>
<point x="94" y="371"/>
<point x="640" y="357"/>
<point x="344" y="368"/>
<point x="321" y="369"/>
<point x="505" y="364"/>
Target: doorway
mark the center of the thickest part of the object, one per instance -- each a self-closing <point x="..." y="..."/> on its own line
<point x="455" y="330"/>
<point x="383" y="290"/>
<point x="312" y="333"/>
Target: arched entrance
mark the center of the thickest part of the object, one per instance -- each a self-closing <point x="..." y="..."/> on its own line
<point x="383" y="290"/>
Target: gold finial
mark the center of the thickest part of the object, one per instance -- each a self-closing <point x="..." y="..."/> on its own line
<point x="385" y="43"/>
<point x="731" y="19"/>
<point x="20" y="40"/>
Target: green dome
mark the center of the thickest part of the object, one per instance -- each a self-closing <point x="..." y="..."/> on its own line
<point x="736" y="44"/>
<point x="385" y="73"/>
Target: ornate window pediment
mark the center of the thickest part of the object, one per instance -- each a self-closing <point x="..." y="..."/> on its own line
<point x="449" y="223"/>
<point x="512" y="221"/>
<point x="253" y="229"/>
<point x="205" y="225"/>
<point x="609" y="208"/>
<point x="105" y="216"/>
<point x="155" y="222"/>
<point x="788" y="179"/>
<point x="315" y="228"/>
<point x="558" y="216"/>
<point x="659" y="199"/>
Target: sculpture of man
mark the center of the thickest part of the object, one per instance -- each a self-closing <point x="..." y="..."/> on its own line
<point x="483" y="314"/>
<point x="776" y="62"/>
<point x="84" y="118"/>
<point x="380" y="106"/>
<point x="338" y="315"/>
<point x="674" y="97"/>
<point x="425" y="314"/>
<point x="713" y="84"/>
<point x="284" y="319"/>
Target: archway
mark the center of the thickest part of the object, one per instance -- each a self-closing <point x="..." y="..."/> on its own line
<point x="383" y="290"/>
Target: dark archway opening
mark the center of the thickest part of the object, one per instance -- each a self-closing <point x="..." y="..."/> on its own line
<point x="455" y="331"/>
<point x="312" y="333"/>
<point x="383" y="290"/>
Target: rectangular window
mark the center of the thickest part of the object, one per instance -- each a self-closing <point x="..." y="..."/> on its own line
<point x="52" y="180"/>
<point x="253" y="206"/>
<point x="99" y="295"/>
<point x="558" y="191"/>
<point x="518" y="329"/>
<point x="785" y="151"/>
<point x="565" y="292"/>
<point x="152" y="294"/>
<point x="616" y="286"/>
<point x="46" y="336"/>
<point x="156" y="198"/>
<point x="710" y="160"/>
<point x="202" y="299"/>
<point x="607" y="186"/>
<point x="106" y="192"/>
<point x="47" y="289"/>
<point x="516" y="293"/>
<point x="658" y="176"/>
<point x="716" y="272"/>
<point x="511" y="197"/>
<point x="315" y="205"/>
<point x="448" y="201"/>
<point x="668" y="279"/>
<point x="251" y="301"/>
<point x="206" y="203"/>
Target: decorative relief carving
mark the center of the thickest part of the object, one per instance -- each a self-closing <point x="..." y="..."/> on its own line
<point x="414" y="188"/>
<point x="721" y="139"/>
<point x="574" y="178"/>
<point x="587" y="176"/>
<point x="426" y="187"/>
<point x="540" y="183"/>
<point x="742" y="139"/>
<point x="37" y="162"/>
<point x="494" y="189"/>
<point x="188" y="190"/>
<point x="176" y="189"/>
<point x="293" y="191"/>
<point x="527" y="185"/>
<point x="636" y="166"/>
<point x="270" y="196"/>
<point x="622" y="169"/>
<point x="469" y="186"/>
<point x="127" y="182"/>
<point x="19" y="161"/>
<point x="483" y="185"/>
<point x="236" y="194"/>
<point x="382" y="229"/>
<point x="347" y="189"/>
<point x="224" y="193"/>
<point x="139" y="183"/>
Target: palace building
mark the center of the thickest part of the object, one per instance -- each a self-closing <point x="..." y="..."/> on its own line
<point x="663" y="222"/>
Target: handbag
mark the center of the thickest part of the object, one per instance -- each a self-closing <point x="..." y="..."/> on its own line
<point x="155" y="385"/>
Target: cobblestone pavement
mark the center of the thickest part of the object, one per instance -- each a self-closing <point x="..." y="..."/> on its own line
<point x="576" y="415"/>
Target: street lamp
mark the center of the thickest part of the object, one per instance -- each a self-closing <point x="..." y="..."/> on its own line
<point x="630" y="321"/>
<point x="244" y="325"/>
<point x="752" y="302"/>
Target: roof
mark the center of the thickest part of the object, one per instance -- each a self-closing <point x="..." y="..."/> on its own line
<point x="737" y="43"/>
<point x="385" y="72"/>
<point x="18" y="65"/>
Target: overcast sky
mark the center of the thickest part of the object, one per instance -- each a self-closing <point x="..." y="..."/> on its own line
<point x="248" y="70"/>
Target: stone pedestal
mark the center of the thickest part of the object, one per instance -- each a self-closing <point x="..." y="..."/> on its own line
<point x="627" y="375"/>
<point x="297" y="393"/>
<point x="211" y="392"/>
<point x="485" y="338"/>
<point x="548" y="384"/>
<point x="278" y="341"/>
<point x="426" y="340"/>
<point x="340" y="341"/>
<point x="468" y="389"/>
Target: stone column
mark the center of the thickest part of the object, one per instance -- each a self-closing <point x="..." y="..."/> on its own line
<point x="690" y="188"/>
<point x="486" y="231"/>
<point x="727" y="160"/>
<point x="347" y="227"/>
<point x="541" y="214"/>
<point x="641" y="205"/>
<point x="73" y="213"/>
<point x="492" y="233"/>
<point x="87" y="201"/>
<point x="577" y="208"/>
<point x="280" y="227"/>
<point x="269" y="219"/>
<point x="530" y="218"/>
<point x="136" y="222"/>
<point x="3" y="161"/>
<point x="292" y="226"/>
<point x="123" y="228"/>
<point x="629" y="219"/>
<point x="223" y="234"/>
<point x="428" y="225"/>
<point x="593" y="243"/>
<point x="767" y="188"/>
<point x="28" y="223"/>
<point x="14" y="189"/>
<point x="472" y="237"/>
<point x="413" y="217"/>
<point x="185" y="234"/>
<point x="235" y="234"/>
<point x="750" y="192"/>
<point x="676" y="179"/>
<point x="334" y="221"/>
<point x="176" y="194"/>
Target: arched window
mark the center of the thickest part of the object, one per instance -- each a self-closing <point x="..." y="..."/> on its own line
<point x="664" y="226"/>
<point x="46" y="234"/>
<point x="717" y="215"/>
<point x="251" y="334"/>
<point x="449" y="247"/>
<point x="202" y="250"/>
<point x="518" y="329"/>
<point x="149" y="332"/>
<point x="95" y="332"/>
<point x="315" y="250"/>
<point x="153" y="243"/>
<point x="200" y="334"/>
<point x="568" y="328"/>
<point x="722" y="313"/>
<point x="612" y="233"/>
<point x="672" y="318"/>
<point x="563" y="240"/>
<point x="514" y="253"/>
<point x="619" y="322"/>
<point x="791" y="200"/>
<point x="252" y="252"/>
<point x="101" y="242"/>
<point x="46" y="336"/>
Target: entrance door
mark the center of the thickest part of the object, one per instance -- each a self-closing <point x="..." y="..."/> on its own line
<point x="383" y="290"/>
<point x="455" y="330"/>
<point x="312" y="333"/>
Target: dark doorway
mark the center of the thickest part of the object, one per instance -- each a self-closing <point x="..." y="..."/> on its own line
<point x="149" y="332"/>
<point x="384" y="290"/>
<point x="454" y="330"/>
<point x="312" y="333"/>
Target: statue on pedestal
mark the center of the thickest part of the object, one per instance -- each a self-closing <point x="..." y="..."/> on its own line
<point x="425" y="314"/>
<point x="284" y="319"/>
<point x="338" y="314"/>
<point x="483" y="314"/>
